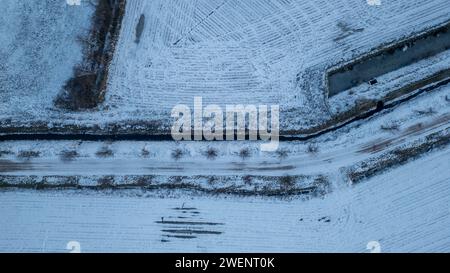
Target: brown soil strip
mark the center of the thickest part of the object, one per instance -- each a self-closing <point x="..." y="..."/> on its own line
<point x="88" y="86"/>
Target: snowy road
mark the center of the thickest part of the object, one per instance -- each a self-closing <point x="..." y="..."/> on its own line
<point x="297" y="164"/>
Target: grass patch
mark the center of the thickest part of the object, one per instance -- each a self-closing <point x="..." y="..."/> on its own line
<point x="390" y="127"/>
<point x="282" y="154"/>
<point x="426" y="112"/>
<point x="28" y="154"/>
<point x="68" y="155"/>
<point x="177" y="154"/>
<point x="211" y="153"/>
<point x="247" y="179"/>
<point x="3" y="152"/>
<point x="312" y="149"/>
<point x="145" y="152"/>
<point x="287" y="183"/>
<point x="106" y="182"/>
<point x="104" y="152"/>
<point x="244" y="153"/>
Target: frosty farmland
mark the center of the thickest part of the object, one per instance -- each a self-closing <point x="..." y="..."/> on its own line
<point x="335" y="117"/>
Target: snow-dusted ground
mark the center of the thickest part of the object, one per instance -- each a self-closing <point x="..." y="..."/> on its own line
<point x="250" y="52"/>
<point x="227" y="51"/>
<point x="406" y="210"/>
<point x="38" y="50"/>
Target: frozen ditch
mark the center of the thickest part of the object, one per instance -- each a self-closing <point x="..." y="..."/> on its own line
<point x="388" y="59"/>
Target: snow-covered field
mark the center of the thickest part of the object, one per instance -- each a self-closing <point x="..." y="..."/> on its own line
<point x="249" y="52"/>
<point x="406" y="210"/>
<point x="159" y="196"/>
<point x="38" y="50"/>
